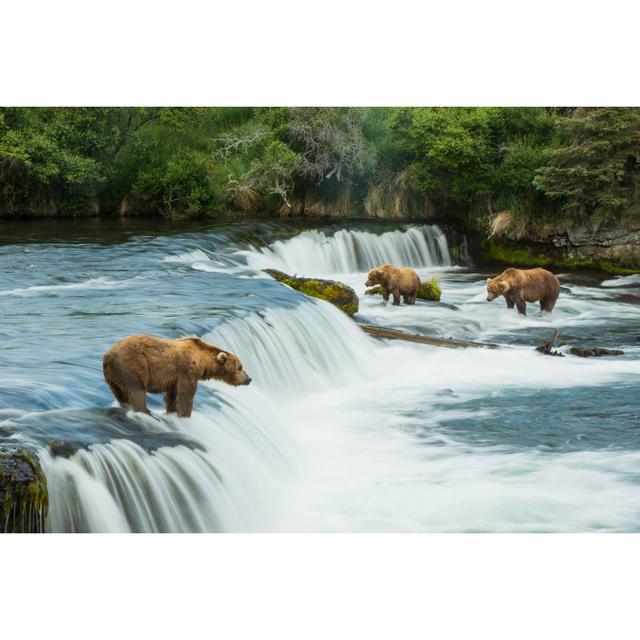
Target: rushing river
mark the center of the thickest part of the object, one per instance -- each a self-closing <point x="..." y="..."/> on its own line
<point x="339" y="431"/>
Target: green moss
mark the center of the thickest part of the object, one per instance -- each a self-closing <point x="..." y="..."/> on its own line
<point x="332" y="291"/>
<point x="516" y="255"/>
<point x="374" y="291"/>
<point x="430" y="290"/>
<point x="598" y="264"/>
<point x="525" y="256"/>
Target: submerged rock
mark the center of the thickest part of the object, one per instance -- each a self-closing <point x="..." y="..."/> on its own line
<point x="595" y="353"/>
<point x="337" y="293"/>
<point x="429" y="290"/>
<point x="23" y="493"/>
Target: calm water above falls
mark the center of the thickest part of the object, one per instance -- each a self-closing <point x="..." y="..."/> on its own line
<point x="339" y="431"/>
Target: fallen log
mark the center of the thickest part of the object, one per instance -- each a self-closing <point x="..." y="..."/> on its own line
<point x="397" y="334"/>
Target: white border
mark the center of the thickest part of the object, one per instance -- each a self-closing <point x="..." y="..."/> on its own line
<point x="319" y="53"/>
<point x="324" y="587"/>
<point x="247" y="52"/>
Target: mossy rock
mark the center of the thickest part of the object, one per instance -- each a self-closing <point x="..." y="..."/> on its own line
<point x="337" y="293"/>
<point x="429" y="290"/>
<point x="23" y="493"/>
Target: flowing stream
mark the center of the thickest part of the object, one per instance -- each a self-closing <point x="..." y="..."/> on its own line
<point x="339" y="431"/>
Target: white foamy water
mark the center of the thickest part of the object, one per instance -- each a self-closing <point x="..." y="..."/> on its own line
<point x="623" y="281"/>
<point x="228" y="483"/>
<point x="346" y="251"/>
<point x="342" y="432"/>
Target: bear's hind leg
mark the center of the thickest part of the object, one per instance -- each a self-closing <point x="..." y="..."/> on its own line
<point x="119" y="394"/>
<point x="138" y="400"/>
<point x="547" y="304"/>
<point x="170" y="399"/>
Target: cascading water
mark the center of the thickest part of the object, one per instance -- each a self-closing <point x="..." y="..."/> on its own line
<point x="348" y="251"/>
<point x="241" y="447"/>
<point x="338" y="431"/>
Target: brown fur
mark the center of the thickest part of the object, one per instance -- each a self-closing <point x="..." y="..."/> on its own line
<point x="399" y="282"/>
<point x="519" y="286"/>
<point x="140" y="364"/>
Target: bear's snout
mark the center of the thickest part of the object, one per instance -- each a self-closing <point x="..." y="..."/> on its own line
<point x="368" y="283"/>
<point x="247" y="380"/>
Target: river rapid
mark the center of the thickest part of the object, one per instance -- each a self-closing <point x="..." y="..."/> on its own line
<point x="339" y="431"/>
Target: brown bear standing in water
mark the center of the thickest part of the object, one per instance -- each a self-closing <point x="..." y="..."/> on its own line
<point x="399" y="282"/>
<point x="519" y="286"/>
<point x="140" y="364"/>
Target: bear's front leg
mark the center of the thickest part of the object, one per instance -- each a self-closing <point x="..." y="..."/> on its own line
<point x="521" y="305"/>
<point x="509" y="298"/>
<point x="186" y="390"/>
<point x="396" y="296"/>
<point x="385" y="294"/>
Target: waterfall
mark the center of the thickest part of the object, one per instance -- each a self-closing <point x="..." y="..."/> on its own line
<point x="349" y="251"/>
<point x="242" y="453"/>
<point x="310" y="347"/>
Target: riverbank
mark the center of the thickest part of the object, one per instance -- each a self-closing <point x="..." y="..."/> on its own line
<point x="613" y="248"/>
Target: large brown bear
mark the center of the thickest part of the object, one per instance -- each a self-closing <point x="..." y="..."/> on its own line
<point x="519" y="286"/>
<point x="140" y="364"/>
<point x="399" y="282"/>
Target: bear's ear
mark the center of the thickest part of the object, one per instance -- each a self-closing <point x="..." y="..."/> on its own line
<point x="222" y="357"/>
<point x="488" y="280"/>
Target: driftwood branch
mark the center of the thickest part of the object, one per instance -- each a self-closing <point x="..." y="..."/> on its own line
<point x="547" y="347"/>
<point x="396" y="334"/>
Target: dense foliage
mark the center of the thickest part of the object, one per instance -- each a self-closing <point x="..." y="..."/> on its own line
<point x="471" y="163"/>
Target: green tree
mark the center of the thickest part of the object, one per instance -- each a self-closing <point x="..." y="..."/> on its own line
<point x="596" y="172"/>
<point x="454" y="151"/>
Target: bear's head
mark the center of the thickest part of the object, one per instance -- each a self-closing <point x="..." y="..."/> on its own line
<point x="230" y="370"/>
<point x="377" y="276"/>
<point x="496" y="288"/>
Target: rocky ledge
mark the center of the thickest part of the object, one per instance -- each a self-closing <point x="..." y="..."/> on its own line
<point x="23" y="493"/>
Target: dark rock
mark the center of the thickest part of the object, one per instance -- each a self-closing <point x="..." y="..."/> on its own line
<point x="61" y="449"/>
<point x="595" y="353"/>
<point x="23" y="493"/>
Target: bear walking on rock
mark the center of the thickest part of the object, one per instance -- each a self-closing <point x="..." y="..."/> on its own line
<point x="399" y="282"/>
<point x="140" y="364"/>
<point x="519" y="286"/>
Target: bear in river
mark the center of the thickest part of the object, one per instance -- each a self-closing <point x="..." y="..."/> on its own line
<point x="399" y="282"/>
<point x="519" y="286"/>
<point x="140" y="364"/>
